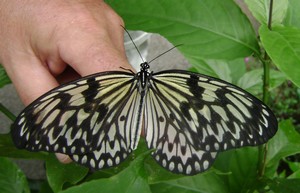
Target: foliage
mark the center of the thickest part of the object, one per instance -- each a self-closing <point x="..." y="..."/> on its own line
<point x="219" y="40"/>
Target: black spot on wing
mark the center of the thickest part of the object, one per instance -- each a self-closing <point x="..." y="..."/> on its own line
<point x="90" y="93"/>
<point x="195" y="89"/>
<point x="102" y="110"/>
<point x="184" y="107"/>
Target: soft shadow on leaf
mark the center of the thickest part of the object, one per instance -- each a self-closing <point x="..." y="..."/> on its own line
<point x="132" y="179"/>
<point x="279" y="185"/>
<point x="12" y="179"/>
<point x="58" y="174"/>
<point x="286" y="142"/>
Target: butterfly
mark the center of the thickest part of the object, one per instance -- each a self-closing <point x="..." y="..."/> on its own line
<point x="187" y="118"/>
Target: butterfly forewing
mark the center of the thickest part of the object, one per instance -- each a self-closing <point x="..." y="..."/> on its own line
<point x="78" y="117"/>
<point x="214" y="114"/>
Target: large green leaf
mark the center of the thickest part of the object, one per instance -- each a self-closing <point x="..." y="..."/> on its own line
<point x="283" y="46"/>
<point x="261" y="8"/>
<point x="130" y="180"/>
<point x="293" y="14"/>
<point x="240" y="167"/>
<point x="12" y="179"/>
<point x="208" y="182"/>
<point x="56" y="173"/>
<point x="286" y="142"/>
<point x="210" y="29"/>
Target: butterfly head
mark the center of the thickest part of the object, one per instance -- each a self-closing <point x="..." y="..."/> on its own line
<point x="144" y="66"/>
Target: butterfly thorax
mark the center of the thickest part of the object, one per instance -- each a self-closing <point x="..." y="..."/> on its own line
<point x="143" y="76"/>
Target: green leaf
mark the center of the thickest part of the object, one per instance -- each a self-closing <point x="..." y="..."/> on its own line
<point x="261" y="8"/>
<point x="233" y="171"/>
<point x="295" y="175"/>
<point x="293" y="165"/>
<point x="45" y="188"/>
<point x="293" y="15"/>
<point x="237" y="68"/>
<point x="8" y="149"/>
<point x="283" y="46"/>
<point x="241" y="168"/>
<point x="279" y="185"/>
<point x="4" y="79"/>
<point x="58" y="174"/>
<point x="12" y="179"/>
<point x="214" y="68"/>
<point x="286" y="142"/>
<point x="211" y="29"/>
<point x="208" y="182"/>
<point x="252" y="80"/>
<point x="157" y="173"/>
<point x="132" y="179"/>
<point x="229" y="71"/>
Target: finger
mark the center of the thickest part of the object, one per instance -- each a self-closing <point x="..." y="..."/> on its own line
<point x="115" y="28"/>
<point x="30" y="76"/>
<point x="92" y="56"/>
<point x="92" y="49"/>
<point x="65" y="159"/>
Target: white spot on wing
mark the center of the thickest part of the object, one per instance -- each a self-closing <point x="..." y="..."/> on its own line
<point x="236" y="113"/>
<point x="239" y="105"/>
<point x="205" y="164"/>
<point x="205" y="111"/>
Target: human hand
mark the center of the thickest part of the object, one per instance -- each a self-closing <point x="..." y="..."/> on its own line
<point x="40" y="39"/>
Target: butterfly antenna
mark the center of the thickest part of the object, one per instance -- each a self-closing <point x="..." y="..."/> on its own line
<point x="133" y="43"/>
<point x="164" y="53"/>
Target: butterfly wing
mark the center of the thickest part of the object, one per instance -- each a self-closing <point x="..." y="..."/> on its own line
<point x="93" y="119"/>
<point x="190" y="117"/>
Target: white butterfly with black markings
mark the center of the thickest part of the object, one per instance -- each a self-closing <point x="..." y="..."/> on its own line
<point x="187" y="119"/>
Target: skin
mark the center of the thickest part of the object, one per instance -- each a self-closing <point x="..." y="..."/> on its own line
<point x="44" y="43"/>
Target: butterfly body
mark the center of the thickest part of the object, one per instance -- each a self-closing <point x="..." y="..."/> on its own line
<point x="188" y="118"/>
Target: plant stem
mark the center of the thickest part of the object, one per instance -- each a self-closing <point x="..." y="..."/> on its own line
<point x="6" y="112"/>
<point x="266" y="83"/>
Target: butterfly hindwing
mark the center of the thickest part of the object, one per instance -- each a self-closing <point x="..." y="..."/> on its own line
<point x="172" y="150"/>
